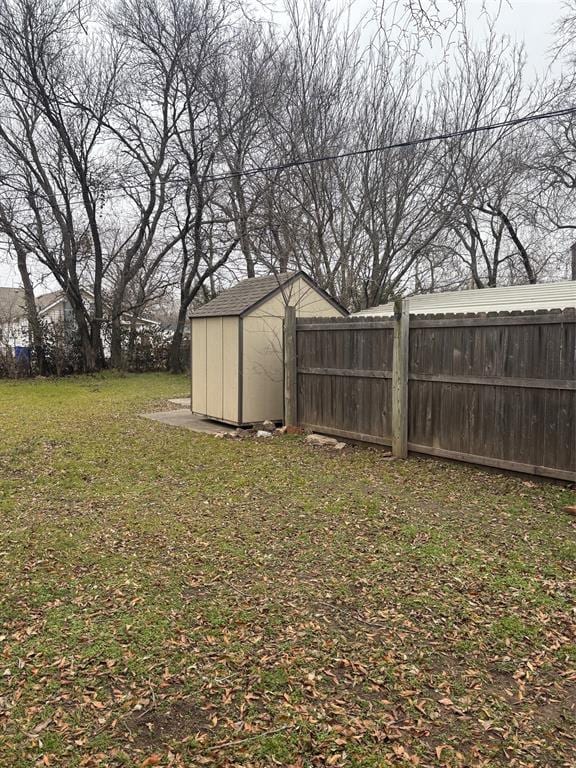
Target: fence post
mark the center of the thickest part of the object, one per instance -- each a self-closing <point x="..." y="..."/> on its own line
<point x="290" y="372"/>
<point x="400" y="379"/>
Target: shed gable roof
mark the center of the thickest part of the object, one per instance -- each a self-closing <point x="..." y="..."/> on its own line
<point x="244" y="295"/>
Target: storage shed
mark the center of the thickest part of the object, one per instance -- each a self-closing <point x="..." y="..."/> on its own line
<point x="237" y="366"/>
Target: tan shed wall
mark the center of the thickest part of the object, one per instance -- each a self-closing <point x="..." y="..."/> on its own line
<point x="262" y="374"/>
<point x="230" y="372"/>
<point x="214" y="367"/>
<point x="263" y="368"/>
<point x="198" y="365"/>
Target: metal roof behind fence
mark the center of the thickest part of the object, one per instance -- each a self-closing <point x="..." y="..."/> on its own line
<point x="559" y="295"/>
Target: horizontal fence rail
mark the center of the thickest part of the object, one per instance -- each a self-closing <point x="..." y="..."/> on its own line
<point x="495" y="389"/>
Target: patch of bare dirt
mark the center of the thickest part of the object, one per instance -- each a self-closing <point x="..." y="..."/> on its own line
<point x="153" y="729"/>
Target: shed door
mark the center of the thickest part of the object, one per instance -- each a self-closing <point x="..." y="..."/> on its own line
<point x="214" y="368"/>
<point x="230" y="370"/>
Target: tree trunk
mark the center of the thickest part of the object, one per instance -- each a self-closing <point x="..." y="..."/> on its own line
<point x="573" y="254"/>
<point x="529" y="269"/>
<point x="175" y="353"/>
<point x="89" y="356"/>
<point x="116" y="360"/>
<point x="34" y="324"/>
<point x="131" y="342"/>
<point x="242" y="226"/>
<point x="97" y="345"/>
<point x="89" y="332"/>
<point x="282" y="252"/>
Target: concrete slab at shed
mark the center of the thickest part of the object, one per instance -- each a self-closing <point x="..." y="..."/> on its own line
<point x="184" y="418"/>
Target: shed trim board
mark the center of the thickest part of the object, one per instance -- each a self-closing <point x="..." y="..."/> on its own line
<point x="290" y="281"/>
<point x="240" y="368"/>
<point x="278" y="287"/>
<point x="192" y="351"/>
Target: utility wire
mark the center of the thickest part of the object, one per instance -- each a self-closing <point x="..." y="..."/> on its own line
<point x="397" y="145"/>
<point x="119" y="194"/>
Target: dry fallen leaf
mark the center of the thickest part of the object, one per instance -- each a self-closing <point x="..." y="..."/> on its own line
<point x="154" y="759"/>
<point x="216" y="633"/>
<point x="42" y="726"/>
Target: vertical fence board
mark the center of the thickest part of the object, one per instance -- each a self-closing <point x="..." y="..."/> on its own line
<point x="400" y="360"/>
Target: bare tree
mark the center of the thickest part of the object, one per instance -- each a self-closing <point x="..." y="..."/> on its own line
<point x="141" y="128"/>
<point x="21" y="248"/>
<point x="57" y="171"/>
<point x="489" y="183"/>
<point x="554" y="194"/>
<point x="247" y="86"/>
<point x="302" y="219"/>
<point x="173" y="145"/>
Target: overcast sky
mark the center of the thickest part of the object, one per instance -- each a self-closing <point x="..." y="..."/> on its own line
<point x="528" y="21"/>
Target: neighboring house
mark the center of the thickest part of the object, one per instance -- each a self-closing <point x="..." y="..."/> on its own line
<point x="53" y="307"/>
<point x="237" y="364"/>
<point x="506" y="299"/>
<point x="169" y="327"/>
<point x="13" y="321"/>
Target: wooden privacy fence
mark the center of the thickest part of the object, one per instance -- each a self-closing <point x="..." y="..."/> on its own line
<point x="496" y="389"/>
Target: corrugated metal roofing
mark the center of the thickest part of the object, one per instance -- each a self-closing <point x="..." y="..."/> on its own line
<point x="517" y="298"/>
<point x="242" y="296"/>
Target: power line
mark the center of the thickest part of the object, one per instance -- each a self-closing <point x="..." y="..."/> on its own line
<point x="118" y="194"/>
<point x="397" y="145"/>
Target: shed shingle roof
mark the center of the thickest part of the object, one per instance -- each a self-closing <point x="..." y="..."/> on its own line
<point x="243" y="295"/>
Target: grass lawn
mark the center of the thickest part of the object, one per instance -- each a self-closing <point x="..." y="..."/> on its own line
<point x="172" y="599"/>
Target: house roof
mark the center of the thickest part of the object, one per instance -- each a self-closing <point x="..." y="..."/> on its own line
<point x="12" y="304"/>
<point x="505" y="299"/>
<point x="48" y="299"/>
<point x="244" y="295"/>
